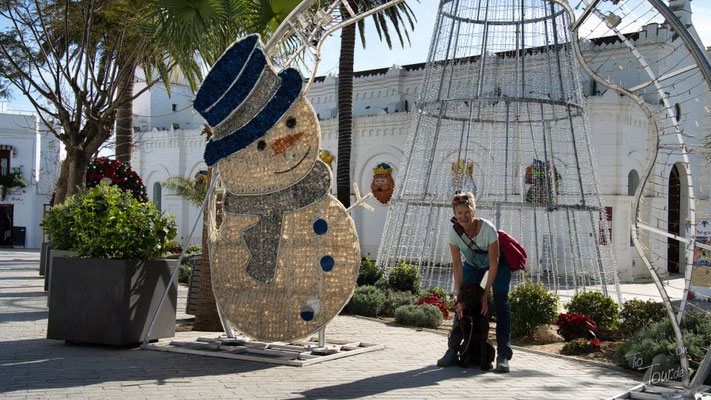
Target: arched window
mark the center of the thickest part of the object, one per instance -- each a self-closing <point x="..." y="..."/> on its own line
<point x="632" y="182"/>
<point x="157" y="191"/>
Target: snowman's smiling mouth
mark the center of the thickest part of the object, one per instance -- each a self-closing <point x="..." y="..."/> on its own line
<point x="297" y="164"/>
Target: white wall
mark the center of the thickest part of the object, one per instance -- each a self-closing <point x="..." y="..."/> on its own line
<point x="37" y="155"/>
<point x="382" y="104"/>
<point x="164" y="154"/>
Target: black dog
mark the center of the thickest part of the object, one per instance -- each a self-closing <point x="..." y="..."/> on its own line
<point x="476" y="347"/>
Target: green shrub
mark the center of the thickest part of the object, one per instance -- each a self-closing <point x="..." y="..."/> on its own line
<point x="186" y="266"/>
<point x="382" y="284"/>
<point x="366" y="301"/>
<point x="637" y="314"/>
<point x="184" y="272"/>
<point x="405" y="277"/>
<point x="532" y="305"/>
<point x="491" y="310"/>
<point x="395" y="299"/>
<point x="656" y="344"/>
<point x="194" y="249"/>
<point x="603" y="310"/>
<point x="173" y="247"/>
<point x="581" y="346"/>
<point x="368" y="273"/>
<point x="106" y="222"/>
<point x="424" y="315"/>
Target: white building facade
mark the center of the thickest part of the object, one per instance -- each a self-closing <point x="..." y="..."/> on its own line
<point x="383" y="102"/>
<point x="33" y="154"/>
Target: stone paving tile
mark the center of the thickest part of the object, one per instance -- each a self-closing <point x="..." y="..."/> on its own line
<point x="32" y="366"/>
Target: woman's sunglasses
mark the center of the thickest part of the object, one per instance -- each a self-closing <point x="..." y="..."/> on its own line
<point x="461" y="200"/>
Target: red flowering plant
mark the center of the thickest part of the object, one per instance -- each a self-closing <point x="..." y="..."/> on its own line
<point x="117" y="173"/>
<point x="573" y="326"/>
<point x="434" y="300"/>
<point x="581" y="346"/>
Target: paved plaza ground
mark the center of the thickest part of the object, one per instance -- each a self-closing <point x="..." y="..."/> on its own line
<point x="32" y="366"/>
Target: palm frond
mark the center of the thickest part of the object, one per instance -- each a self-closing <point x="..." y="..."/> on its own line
<point x="186" y="189"/>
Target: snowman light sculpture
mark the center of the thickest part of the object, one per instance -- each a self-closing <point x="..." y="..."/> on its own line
<point x="285" y="257"/>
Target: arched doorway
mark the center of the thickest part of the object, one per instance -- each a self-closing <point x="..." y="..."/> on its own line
<point x="6" y="215"/>
<point x="673" y="218"/>
<point x="157" y="192"/>
<point x="632" y="182"/>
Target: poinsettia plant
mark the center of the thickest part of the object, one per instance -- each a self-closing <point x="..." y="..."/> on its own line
<point x="573" y="326"/>
<point x="434" y="300"/>
<point x="116" y="173"/>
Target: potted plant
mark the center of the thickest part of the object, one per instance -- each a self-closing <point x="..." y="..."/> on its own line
<point x="11" y="180"/>
<point x="109" y="293"/>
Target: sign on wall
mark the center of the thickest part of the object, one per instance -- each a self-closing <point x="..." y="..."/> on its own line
<point x="701" y="273"/>
<point x="604" y="239"/>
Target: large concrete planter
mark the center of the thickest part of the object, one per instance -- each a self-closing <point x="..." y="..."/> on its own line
<point x="48" y="271"/>
<point x="44" y="258"/>
<point x="110" y="301"/>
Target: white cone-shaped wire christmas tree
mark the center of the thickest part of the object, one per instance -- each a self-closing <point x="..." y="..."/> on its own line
<point x="501" y="114"/>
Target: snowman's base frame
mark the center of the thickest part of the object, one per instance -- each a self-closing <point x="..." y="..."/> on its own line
<point x="297" y="353"/>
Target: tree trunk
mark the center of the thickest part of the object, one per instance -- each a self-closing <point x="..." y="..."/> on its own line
<point x="345" y="112"/>
<point x="72" y="173"/>
<point x="206" y="316"/>
<point x="60" y="187"/>
<point x="124" y="121"/>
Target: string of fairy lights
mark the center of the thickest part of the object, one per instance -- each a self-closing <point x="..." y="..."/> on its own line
<point x="508" y="124"/>
<point x="674" y="196"/>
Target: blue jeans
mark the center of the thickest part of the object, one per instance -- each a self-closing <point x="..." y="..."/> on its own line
<point x="500" y="290"/>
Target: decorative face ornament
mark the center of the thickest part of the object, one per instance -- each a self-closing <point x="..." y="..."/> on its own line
<point x="383" y="183"/>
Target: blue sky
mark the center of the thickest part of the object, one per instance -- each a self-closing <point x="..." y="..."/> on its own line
<point x="377" y="55"/>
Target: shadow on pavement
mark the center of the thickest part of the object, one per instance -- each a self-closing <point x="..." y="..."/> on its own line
<point x="22" y="317"/>
<point x="35" y="364"/>
<point x="22" y="294"/>
<point x="422" y="377"/>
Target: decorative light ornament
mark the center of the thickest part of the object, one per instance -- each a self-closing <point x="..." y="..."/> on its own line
<point x="501" y="95"/>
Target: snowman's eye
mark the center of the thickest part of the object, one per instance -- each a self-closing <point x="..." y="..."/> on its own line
<point x="261" y="145"/>
<point x="291" y="122"/>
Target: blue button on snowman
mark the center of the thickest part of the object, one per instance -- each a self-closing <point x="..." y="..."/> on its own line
<point x="285" y="254"/>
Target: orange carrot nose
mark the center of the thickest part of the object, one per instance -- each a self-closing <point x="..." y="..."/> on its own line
<point x="280" y="145"/>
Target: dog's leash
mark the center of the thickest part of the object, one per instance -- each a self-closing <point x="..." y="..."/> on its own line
<point x="471" y="333"/>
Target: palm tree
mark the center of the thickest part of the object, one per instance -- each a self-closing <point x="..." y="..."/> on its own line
<point x="192" y="191"/>
<point x="171" y="34"/>
<point x="396" y="15"/>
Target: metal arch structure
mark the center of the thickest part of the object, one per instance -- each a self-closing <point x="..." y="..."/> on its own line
<point x="502" y="104"/>
<point x="669" y="147"/>
<point x="298" y="39"/>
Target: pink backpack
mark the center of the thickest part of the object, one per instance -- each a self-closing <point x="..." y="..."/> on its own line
<point x="513" y="251"/>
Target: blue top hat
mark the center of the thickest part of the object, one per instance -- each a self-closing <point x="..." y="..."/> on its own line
<point x="242" y="97"/>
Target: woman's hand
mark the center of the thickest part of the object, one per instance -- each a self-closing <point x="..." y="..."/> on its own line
<point x="458" y="308"/>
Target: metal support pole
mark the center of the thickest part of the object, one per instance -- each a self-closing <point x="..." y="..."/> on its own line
<point x="322" y="337"/>
<point x="177" y="266"/>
